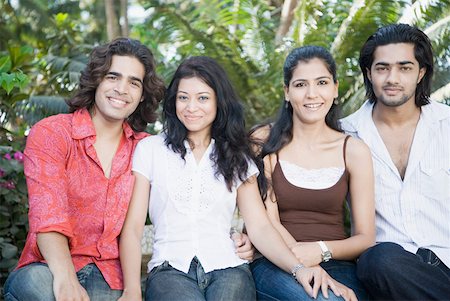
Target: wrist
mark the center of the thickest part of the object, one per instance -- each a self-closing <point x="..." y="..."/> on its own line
<point x="295" y="269"/>
<point x="325" y="252"/>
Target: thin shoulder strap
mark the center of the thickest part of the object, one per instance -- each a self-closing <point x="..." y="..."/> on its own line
<point x="345" y="148"/>
<point x="277" y="156"/>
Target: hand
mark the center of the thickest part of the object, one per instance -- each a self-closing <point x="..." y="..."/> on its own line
<point x="308" y="253"/>
<point x="132" y="296"/>
<point x="244" y="247"/>
<point x="69" y="289"/>
<point x="305" y="276"/>
<point x="346" y="292"/>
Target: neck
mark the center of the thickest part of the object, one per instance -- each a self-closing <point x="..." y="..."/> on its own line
<point x="105" y="128"/>
<point x="310" y="134"/>
<point x="396" y="116"/>
<point x="199" y="141"/>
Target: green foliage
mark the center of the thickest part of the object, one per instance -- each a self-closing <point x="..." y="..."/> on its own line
<point x="13" y="206"/>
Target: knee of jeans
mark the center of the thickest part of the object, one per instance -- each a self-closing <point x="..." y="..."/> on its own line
<point x="33" y="282"/>
<point x="378" y="259"/>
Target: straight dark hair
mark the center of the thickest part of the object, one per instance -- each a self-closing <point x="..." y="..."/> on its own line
<point x="98" y="66"/>
<point x="400" y="33"/>
<point x="232" y="151"/>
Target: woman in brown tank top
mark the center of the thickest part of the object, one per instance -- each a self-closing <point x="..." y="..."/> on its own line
<point x="309" y="168"/>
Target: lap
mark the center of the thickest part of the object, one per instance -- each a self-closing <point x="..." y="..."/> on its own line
<point x="35" y="282"/>
<point x="272" y="283"/>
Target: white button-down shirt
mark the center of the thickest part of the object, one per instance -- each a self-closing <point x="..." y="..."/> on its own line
<point x="190" y="208"/>
<point x="413" y="212"/>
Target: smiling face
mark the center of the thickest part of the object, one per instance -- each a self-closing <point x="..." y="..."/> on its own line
<point x="311" y="91"/>
<point x="120" y="92"/>
<point x="394" y="74"/>
<point x="196" y="106"/>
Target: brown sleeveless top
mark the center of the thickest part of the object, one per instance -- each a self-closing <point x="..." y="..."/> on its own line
<point x="311" y="214"/>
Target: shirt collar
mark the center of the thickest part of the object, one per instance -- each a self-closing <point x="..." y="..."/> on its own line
<point x="83" y="127"/>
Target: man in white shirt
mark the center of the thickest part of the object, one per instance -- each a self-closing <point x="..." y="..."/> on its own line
<point x="409" y="137"/>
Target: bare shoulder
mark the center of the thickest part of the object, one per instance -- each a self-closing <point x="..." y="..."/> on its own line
<point x="357" y="152"/>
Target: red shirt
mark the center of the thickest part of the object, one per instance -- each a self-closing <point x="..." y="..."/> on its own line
<point x="69" y="194"/>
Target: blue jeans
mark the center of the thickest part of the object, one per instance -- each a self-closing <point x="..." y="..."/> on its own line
<point x="35" y="282"/>
<point x="272" y="283"/>
<point x="389" y="272"/>
<point x="167" y="283"/>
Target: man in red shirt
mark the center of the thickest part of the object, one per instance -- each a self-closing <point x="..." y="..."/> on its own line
<point x="78" y="170"/>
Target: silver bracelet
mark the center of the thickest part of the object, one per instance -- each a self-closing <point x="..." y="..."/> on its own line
<point x="295" y="269"/>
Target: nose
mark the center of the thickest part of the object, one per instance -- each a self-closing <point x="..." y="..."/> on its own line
<point x="393" y="76"/>
<point x="121" y="87"/>
<point x="311" y="91"/>
<point x="191" y="105"/>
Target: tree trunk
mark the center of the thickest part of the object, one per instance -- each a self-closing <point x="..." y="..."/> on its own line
<point x="124" y="17"/>
<point x="287" y="14"/>
<point x="112" y="24"/>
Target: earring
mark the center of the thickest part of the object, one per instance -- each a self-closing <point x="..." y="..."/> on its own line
<point x="336" y="101"/>
<point x="286" y="104"/>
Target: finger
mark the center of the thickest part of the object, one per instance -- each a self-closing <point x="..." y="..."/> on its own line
<point x="317" y="285"/>
<point x="334" y="288"/>
<point x="237" y="239"/>
<point x="324" y="288"/>
<point x="352" y="296"/>
<point x="245" y="255"/>
<point x="306" y="283"/>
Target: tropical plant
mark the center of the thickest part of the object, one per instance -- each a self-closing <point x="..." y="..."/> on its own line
<point x="251" y="38"/>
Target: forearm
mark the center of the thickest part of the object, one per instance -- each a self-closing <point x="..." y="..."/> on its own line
<point x="270" y="243"/>
<point x="287" y="237"/>
<point x="350" y="248"/>
<point x="54" y="247"/>
<point x="130" y="260"/>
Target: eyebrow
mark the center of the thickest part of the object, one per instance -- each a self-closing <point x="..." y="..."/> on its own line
<point x="317" y="78"/>
<point x="180" y="91"/>
<point x="130" y="77"/>
<point x="396" y="63"/>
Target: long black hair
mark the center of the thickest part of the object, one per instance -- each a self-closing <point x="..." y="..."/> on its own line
<point x="232" y="148"/>
<point x="400" y="33"/>
<point x="282" y="130"/>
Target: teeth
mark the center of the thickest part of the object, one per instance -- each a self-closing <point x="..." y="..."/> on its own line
<point x="313" y="105"/>
<point x="117" y="100"/>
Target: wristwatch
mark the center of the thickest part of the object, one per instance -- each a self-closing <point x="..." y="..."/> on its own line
<point x="326" y="254"/>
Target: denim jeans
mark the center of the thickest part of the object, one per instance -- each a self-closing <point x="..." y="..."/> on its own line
<point x="389" y="272"/>
<point x="167" y="283"/>
<point x="35" y="282"/>
<point x="272" y="283"/>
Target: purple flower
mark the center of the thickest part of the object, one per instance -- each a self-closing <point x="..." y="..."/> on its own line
<point x="2" y="173"/>
<point x="8" y="156"/>
<point x="18" y="156"/>
<point x="8" y="185"/>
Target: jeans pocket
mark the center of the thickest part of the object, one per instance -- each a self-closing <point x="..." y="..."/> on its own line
<point x="9" y="297"/>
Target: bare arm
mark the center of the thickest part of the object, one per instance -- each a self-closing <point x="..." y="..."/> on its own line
<point x="54" y="248"/>
<point x="130" y="239"/>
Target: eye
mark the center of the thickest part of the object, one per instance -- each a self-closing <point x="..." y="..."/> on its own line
<point x="136" y="83"/>
<point x="322" y="82"/>
<point x="203" y="98"/>
<point x="381" y="68"/>
<point x="405" y="68"/>
<point x="182" y="98"/>
<point x="299" y="84"/>
<point x="111" y="77"/>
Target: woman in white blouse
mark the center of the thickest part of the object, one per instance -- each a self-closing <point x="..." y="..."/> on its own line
<point x="190" y="178"/>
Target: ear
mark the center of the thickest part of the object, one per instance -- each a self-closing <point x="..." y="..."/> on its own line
<point x="142" y="98"/>
<point x="336" y="93"/>
<point x="422" y="73"/>
<point x="286" y="93"/>
<point x="369" y="75"/>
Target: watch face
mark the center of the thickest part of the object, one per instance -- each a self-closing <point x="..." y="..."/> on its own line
<point x="326" y="256"/>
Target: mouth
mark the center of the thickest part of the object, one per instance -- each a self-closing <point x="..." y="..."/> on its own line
<point x="191" y="117"/>
<point x="313" y="106"/>
<point x="117" y="102"/>
<point x="392" y="90"/>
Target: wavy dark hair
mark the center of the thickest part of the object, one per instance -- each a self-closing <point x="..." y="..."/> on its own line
<point x="232" y="148"/>
<point x="400" y="33"/>
<point x="98" y="66"/>
<point x="282" y="130"/>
